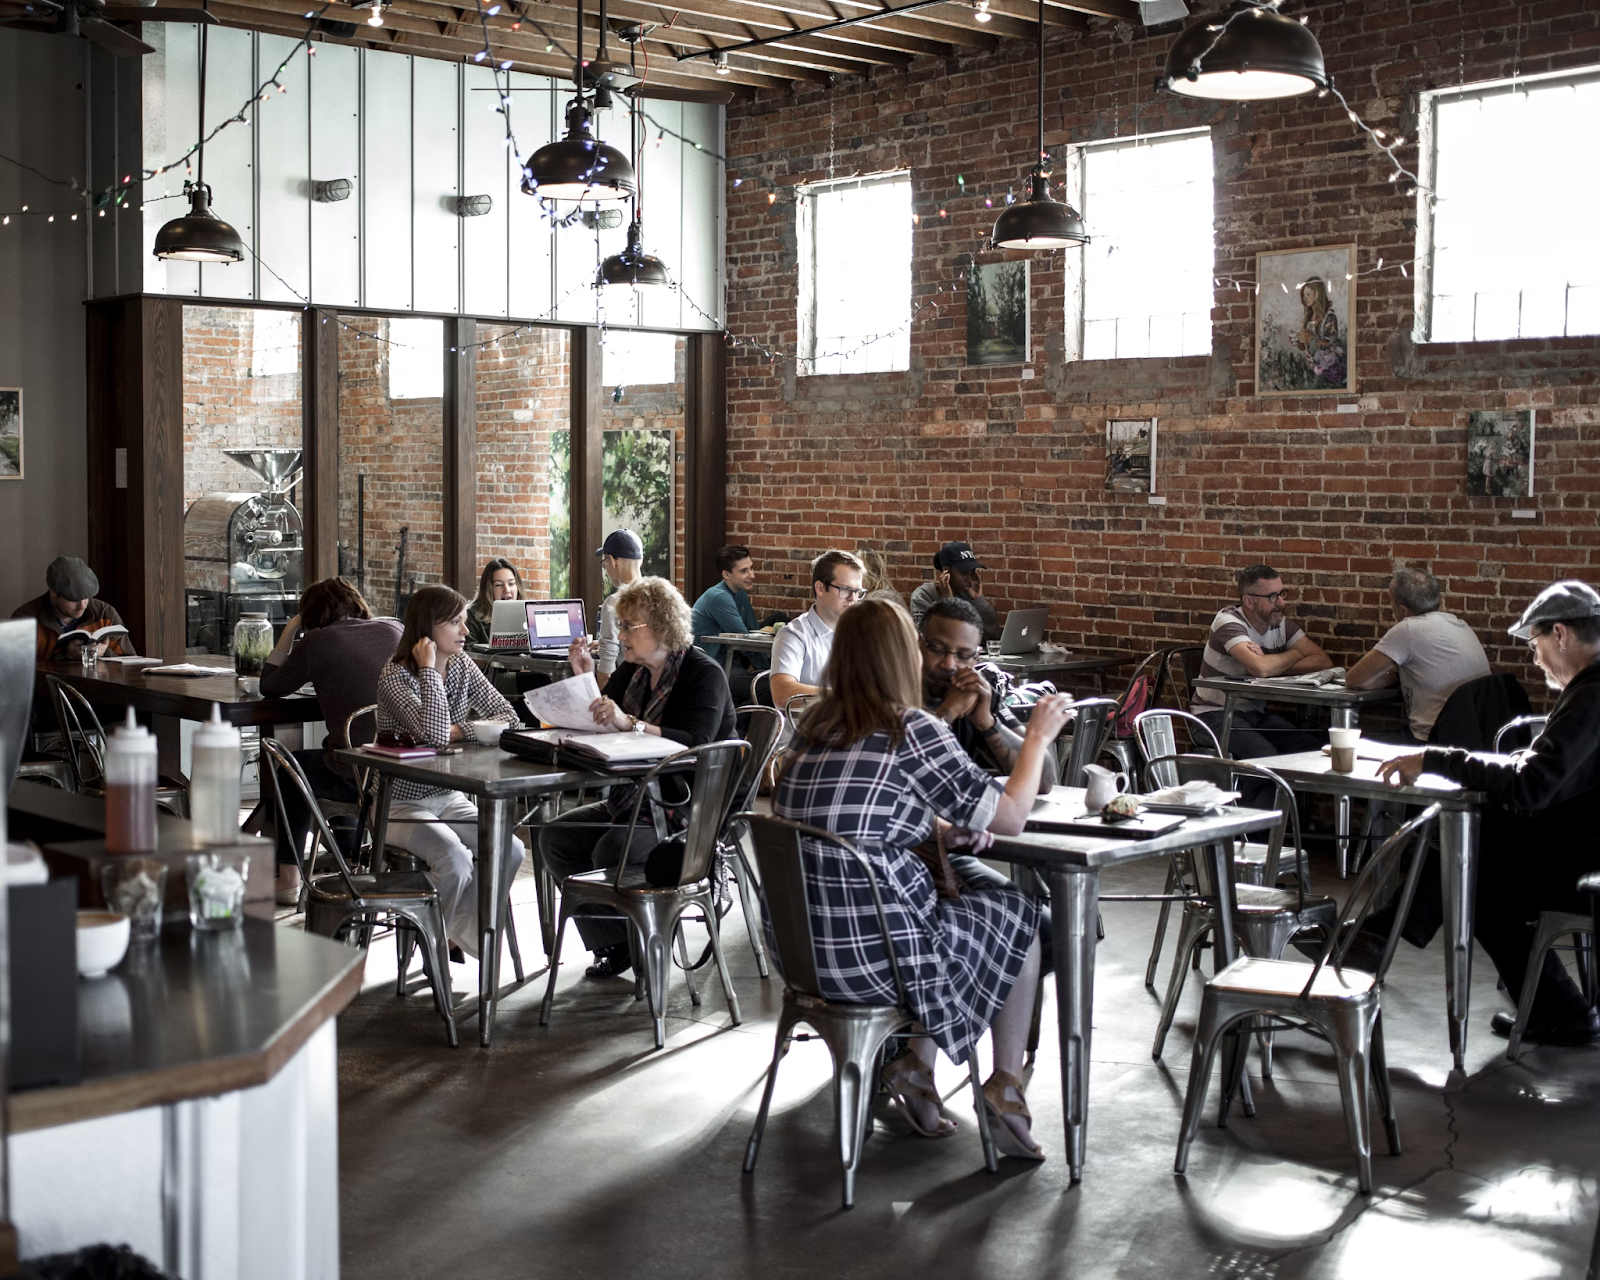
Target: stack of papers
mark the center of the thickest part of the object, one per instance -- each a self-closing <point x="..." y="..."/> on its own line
<point x="1311" y="679"/>
<point x="1191" y="798"/>
<point x="133" y="662"/>
<point x="564" y="704"/>
<point x="190" y="669"/>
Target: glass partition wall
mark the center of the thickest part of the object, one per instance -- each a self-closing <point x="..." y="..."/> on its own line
<point x="643" y="444"/>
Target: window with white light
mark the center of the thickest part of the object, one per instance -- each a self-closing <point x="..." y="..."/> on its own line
<point x="274" y="343"/>
<point x="855" y="275"/>
<point x="1143" y="281"/>
<point x="1506" y="246"/>
<point x="416" y="359"/>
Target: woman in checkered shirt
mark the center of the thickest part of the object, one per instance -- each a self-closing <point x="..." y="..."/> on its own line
<point x="871" y="765"/>
<point x="430" y="691"/>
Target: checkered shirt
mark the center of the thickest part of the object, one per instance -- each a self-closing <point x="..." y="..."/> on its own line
<point x="428" y="707"/>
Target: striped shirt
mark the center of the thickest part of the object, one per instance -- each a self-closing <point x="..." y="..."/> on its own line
<point x="428" y="706"/>
<point x="1229" y="629"/>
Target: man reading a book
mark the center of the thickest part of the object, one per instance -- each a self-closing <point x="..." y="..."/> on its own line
<point x="69" y="609"/>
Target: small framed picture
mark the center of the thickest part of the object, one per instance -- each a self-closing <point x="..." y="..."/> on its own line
<point x="10" y="433"/>
<point x="1500" y="453"/>
<point x="997" y="313"/>
<point x="1130" y="455"/>
<point x="1305" y="321"/>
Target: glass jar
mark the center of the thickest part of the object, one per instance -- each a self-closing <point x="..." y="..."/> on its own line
<point x="252" y="642"/>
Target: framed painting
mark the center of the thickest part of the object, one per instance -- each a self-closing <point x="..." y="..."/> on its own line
<point x="1305" y="321"/>
<point x="997" y="313"/>
<point x="1500" y="453"/>
<point x="10" y="433"/>
<point x="1130" y="455"/>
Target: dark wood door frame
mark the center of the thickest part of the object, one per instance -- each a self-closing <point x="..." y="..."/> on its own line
<point x="461" y="455"/>
<point x="705" y="420"/>
<point x="319" y="400"/>
<point x="583" y="482"/>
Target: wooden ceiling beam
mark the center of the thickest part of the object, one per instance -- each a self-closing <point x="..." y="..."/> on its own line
<point x="781" y="13"/>
<point x="758" y="22"/>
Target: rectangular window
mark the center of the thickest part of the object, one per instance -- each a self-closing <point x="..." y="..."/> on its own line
<point x="416" y="359"/>
<point x="1507" y="249"/>
<point x="855" y="275"/>
<point x="1144" y="282"/>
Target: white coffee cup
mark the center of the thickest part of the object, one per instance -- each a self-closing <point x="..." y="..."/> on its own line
<point x="487" y="732"/>
<point x="1103" y="787"/>
<point x="1342" y="745"/>
<point x="102" y="942"/>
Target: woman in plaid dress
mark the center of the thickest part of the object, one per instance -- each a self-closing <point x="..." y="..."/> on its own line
<point x="872" y="766"/>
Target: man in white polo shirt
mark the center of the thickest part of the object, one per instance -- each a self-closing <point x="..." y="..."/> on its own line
<point x="802" y="648"/>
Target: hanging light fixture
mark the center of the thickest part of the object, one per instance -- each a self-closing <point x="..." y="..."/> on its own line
<point x="633" y="266"/>
<point x="199" y="235"/>
<point x="1248" y="53"/>
<point x="1039" y="222"/>
<point x="580" y="166"/>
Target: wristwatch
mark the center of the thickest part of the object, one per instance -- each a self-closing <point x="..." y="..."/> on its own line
<point x="638" y="725"/>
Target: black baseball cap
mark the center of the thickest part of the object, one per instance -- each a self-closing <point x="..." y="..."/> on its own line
<point x="624" y="544"/>
<point x="957" y="555"/>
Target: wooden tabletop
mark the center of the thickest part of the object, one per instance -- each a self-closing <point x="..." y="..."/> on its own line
<point x="754" y="641"/>
<point x="1042" y="665"/>
<point x="1315" y="695"/>
<point x="185" y="697"/>
<point x="195" y="1015"/>
<point x="1060" y="848"/>
<point x="1313" y="771"/>
<point x="480" y="771"/>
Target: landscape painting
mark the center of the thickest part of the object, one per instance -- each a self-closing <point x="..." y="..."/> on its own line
<point x="997" y="313"/>
<point x="10" y="433"/>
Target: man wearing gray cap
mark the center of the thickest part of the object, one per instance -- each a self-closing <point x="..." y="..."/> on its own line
<point x="1539" y="827"/>
<point x="69" y="605"/>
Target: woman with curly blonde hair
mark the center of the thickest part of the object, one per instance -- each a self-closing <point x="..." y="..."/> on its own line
<point x="666" y="687"/>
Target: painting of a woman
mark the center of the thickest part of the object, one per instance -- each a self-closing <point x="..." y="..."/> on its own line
<point x="1307" y="300"/>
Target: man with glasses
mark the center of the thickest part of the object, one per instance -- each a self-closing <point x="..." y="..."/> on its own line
<point x="802" y="648"/>
<point x="1248" y="640"/>
<point x="1538" y="833"/>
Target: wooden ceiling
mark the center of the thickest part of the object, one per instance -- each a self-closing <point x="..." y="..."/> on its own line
<point x="441" y="29"/>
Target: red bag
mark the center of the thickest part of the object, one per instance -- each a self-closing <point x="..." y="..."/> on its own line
<point x="1135" y="703"/>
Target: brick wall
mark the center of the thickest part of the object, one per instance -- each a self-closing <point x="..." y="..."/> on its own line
<point x="904" y="461"/>
<point x="399" y="446"/>
<point x="225" y="406"/>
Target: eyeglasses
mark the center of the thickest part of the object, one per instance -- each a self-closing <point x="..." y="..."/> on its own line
<point x="963" y="656"/>
<point x="1274" y="596"/>
<point x="847" y="594"/>
<point x="1533" y="640"/>
<point x="625" y="627"/>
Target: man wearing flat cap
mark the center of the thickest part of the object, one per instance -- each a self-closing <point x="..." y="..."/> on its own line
<point x="957" y="574"/>
<point x="1541" y="827"/>
<point x="69" y="604"/>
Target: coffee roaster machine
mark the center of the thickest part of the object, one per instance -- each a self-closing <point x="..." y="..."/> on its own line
<point x="243" y="552"/>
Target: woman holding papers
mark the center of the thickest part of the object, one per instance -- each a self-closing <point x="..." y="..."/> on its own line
<point x="428" y="692"/>
<point x="664" y="686"/>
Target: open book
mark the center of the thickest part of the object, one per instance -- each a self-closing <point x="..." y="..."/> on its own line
<point x="608" y="748"/>
<point x="97" y="635"/>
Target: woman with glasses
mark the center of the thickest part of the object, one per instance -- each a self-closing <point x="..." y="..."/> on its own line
<point x="869" y="764"/>
<point x="429" y="693"/>
<point x="666" y="687"/>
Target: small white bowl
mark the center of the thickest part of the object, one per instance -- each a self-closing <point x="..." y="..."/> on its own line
<point x="102" y="942"/>
<point x="487" y="732"/>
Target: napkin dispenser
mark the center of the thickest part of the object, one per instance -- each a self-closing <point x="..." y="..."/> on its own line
<point x="42" y="951"/>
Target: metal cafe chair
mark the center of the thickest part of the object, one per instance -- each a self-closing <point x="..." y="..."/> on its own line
<point x="760" y="727"/>
<point x="85" y="739"/>
<point x="1185" y="662"/>
<point x="1089" y="729"/>
<point x="1266" y="918"/>
<point x="333" y="902"/>
<point x="854" y="1033"/>
<point x="1329" y="998"/>
<point x="1534" y="724"/>
<point x="654" y="911"/>
<point x="1143" y="692"/>
<point x="1551" y="927"/>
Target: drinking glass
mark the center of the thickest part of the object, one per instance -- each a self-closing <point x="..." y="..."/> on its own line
<point x="136" y="888"/>
<point x="993" y="646"/>
<point x="216" y="889"/>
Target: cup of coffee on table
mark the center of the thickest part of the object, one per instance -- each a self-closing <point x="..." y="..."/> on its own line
<point x="1342" y="744"/>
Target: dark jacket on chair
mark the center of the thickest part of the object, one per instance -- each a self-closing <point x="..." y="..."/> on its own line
<point x="1473" y="714"/>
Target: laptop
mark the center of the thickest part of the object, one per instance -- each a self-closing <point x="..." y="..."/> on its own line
<point x="508" y="625"/>
<point x="1024" y="630"/>
<point x="550" y="626"/>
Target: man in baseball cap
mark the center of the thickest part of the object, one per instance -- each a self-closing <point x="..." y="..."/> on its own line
<point x="1539" y="823"/>
<point x="621" y="556"/>
<point x="956" y="574"/>
<point x="69" y="605"/>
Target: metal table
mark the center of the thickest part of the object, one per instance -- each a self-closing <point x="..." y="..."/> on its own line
<point x="169" y="699"/>
<point x="1459" y="825"/>
<point x="496" y="780"/>
<point x="1343" y="704"/>
<point x="1073" y="864"/>
<point x="748" y="641"/>
<point x="1055" y="666"/>
<point x="510" y="660"/>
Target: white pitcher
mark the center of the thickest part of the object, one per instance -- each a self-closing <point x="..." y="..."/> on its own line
<point x="1104" y="787"/>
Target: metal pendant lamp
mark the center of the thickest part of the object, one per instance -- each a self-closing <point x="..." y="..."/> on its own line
<point x="1040" y="221"/>
<point x="1248" y="53"/>
<point x="579" y="166"/>
<point x="633" y="266"/>
<point x="199" y="235"/>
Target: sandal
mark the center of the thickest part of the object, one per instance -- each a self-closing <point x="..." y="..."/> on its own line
<point x="906" y="1078"/>
<point x="999" y="1107"/>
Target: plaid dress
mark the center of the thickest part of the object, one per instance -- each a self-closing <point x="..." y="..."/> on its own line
<point x="958" y="958"/>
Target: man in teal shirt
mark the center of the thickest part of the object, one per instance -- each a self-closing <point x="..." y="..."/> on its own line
<point x="726" y="608"/>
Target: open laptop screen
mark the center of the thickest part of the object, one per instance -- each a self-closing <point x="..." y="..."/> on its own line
<point x="554" y="623"/>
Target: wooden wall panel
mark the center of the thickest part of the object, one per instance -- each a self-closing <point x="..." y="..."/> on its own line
<point x="583" y="485"/>
<point x="319" y="398"/>
<point x="706" y="472"/>
<point x="461" y="456"/>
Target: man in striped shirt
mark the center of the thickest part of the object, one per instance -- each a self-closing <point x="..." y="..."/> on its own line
<point x="1248" y="640"/>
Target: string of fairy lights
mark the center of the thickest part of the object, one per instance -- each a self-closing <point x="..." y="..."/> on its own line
<point x="967" y="195"/>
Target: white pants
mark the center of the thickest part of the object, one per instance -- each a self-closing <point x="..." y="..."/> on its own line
<point x="447" y="847"/>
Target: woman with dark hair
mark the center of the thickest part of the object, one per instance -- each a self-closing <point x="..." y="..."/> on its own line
<point x="430" y="691"/>
<point x="499" y="581"/>
<point x="665" y="687"/>
<point x="341" y="652"/>
<point x="869" y="764"/>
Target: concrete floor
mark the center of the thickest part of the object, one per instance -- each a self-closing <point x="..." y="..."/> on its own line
<point x="577" y="1151"/>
